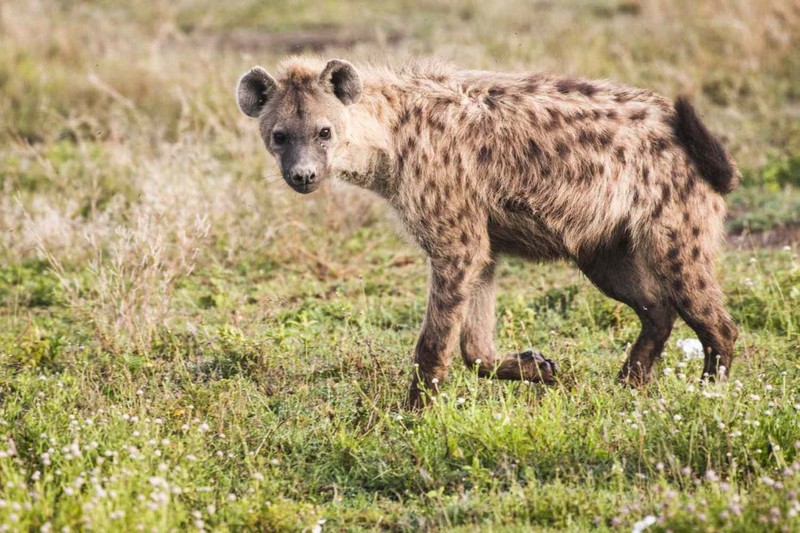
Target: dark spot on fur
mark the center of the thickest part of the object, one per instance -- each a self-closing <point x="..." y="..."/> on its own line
<point x="646" y="175"/>
<point x="695" y="252"/>
<point x="695" y="231"/>
<point x="405" y="117"/>
<point x="619" y="153"/>
<point x="658" y="210"/>
<point x="666" y="192"/>
<point x="605" y="138"/>
<point x="701" y="284"/>
<point x="496" y="91"/>
<point x="622" y="97"/>
<point x="484" y="154"/>
<point x="611" y="114"/>
<point x="532" y="149"/>
<point x="587" y="137"/>
<point x="554" y="123"/>
<point x="658" y="145"/>
<point x="677" y="284"/>
<point x="562" y="148"/>
<point x="436" y="122"/>
<point x="638" y="115"/>
<point x="673" y="253"/>
<point x="566" y="86"/>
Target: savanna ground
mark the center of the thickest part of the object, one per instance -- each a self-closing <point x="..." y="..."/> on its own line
<point x="185" y="343"/>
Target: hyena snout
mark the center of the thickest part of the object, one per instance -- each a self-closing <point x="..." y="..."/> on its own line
<point x="303" y="176"/>
<point x="302" y="179"/>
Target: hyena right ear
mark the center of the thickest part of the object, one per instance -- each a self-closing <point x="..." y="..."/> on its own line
<point x="255" y="89"/>
<point x="341" y="78"/>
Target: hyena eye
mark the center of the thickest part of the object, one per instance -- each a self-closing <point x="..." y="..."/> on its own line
<point x="324" y="133"/>
<point x="278" y="137"/>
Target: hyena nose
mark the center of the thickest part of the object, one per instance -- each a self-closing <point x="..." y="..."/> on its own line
<point x="303" y="177"/>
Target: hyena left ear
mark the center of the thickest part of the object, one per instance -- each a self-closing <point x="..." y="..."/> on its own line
<point x="341" y="78"/>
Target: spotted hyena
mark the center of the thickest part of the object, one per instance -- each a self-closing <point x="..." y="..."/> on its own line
<point x="623" y="182"/>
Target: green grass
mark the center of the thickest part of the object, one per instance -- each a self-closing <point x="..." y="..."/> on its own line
<point x="275" y="402"/>
<point x="186" y="344"/>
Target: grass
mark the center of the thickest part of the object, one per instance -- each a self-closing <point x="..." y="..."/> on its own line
<point x="185" y="344"/>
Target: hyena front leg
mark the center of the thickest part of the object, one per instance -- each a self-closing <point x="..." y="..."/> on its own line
<point x="477" y="340"/>
<point x="455" y="270"/>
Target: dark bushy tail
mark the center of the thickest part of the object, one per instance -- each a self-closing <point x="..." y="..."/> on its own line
<point x="711" y="158"/>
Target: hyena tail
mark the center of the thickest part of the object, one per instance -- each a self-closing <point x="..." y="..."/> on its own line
<point x="711" y="158"/>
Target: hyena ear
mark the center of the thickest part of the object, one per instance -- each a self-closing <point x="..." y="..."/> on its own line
<point x="255" y="88"/>
<point x="341" y="78"/>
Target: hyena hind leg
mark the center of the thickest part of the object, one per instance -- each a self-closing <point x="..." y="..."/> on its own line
<point x="625" y="277"/>
<point x="477" y="341"/>
<point x="699" y="300"/>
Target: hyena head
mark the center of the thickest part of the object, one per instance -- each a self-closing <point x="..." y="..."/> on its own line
<point x="302" y="116"/>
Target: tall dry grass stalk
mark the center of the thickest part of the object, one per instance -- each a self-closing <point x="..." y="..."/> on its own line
<point x="127" y="288"/>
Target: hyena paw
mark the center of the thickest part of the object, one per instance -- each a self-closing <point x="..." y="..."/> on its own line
<point x="529" y="365"/>
<point x="537" y="367"/>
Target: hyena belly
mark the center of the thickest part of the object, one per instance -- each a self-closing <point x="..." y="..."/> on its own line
<point x="518" y="231"/>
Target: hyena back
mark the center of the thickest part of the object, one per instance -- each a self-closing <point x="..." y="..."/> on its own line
<point x="619" y="180"/>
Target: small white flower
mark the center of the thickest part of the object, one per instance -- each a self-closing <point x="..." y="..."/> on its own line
<point x="644" y="523"/>
<point x="692" y="348"/>
<point x="677" y="418"/>
<point x="435" y="381"/>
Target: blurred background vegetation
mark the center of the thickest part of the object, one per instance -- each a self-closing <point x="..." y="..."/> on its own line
<point x="95" y="91"/>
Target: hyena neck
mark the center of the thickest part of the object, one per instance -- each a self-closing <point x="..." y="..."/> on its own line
<point x="364" y="159"/>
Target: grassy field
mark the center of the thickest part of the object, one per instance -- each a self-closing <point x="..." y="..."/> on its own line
<point x="187" y="344"/>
